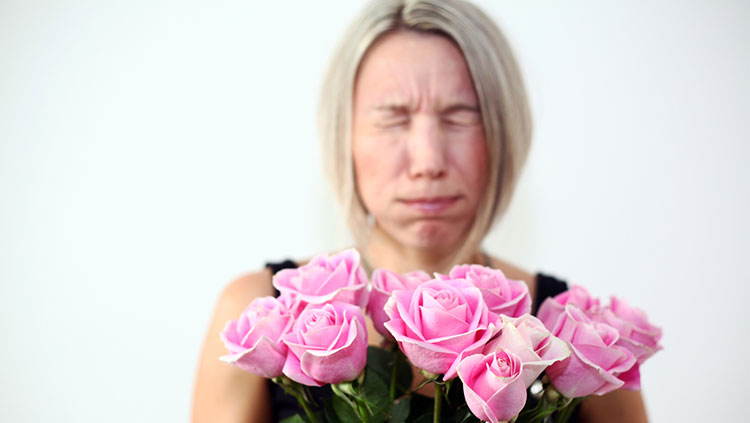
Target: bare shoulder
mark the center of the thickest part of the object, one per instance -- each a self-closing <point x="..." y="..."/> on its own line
<point x="239" y="292"/>
<point x="620" y="406"/>
<point x="515" y="272"/>
<point x="222" y="392"/>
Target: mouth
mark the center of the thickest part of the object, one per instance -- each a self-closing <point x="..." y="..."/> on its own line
<point x="431" y="205"/>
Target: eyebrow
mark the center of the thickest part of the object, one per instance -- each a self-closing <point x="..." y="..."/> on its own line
<point x="403" y="108"/>
<point x="392" y="107"/>
<point x="460" y="107"/>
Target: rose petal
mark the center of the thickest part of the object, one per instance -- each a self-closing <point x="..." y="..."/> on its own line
<point x="440" y="323"/>
<point x="293" y="371"/>
<point x="266" y="358"/>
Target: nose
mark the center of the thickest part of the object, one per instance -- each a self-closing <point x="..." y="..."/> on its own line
<point x="426" y="149"/>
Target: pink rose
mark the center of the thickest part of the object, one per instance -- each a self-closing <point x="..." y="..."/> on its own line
<point x="502" y="295"/>
<point x="292" y="303"/>
<point x="527" y="338"/>
<point x="493" y="386"/>
<point x="326" y="279"/>
<point x="439" y="323"/>
<point x="328" y="344"/>
<point x="595" y="362"/>
<point x="637" y="335"/>
<point x="384" y="282"/>
<point x="254" y="340"/>
<point x="553" y="307"/>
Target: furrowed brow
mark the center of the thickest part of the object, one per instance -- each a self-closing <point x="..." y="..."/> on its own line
<point x="398" y="108"/>
<point x="460" y="107"/>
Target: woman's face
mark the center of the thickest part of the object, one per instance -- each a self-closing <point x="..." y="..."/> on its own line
<point x="420" y="156"/>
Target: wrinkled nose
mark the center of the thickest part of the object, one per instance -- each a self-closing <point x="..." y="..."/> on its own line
<point x="426" y="149"/>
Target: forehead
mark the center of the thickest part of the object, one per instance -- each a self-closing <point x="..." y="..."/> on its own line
<point x="411" y="66"/>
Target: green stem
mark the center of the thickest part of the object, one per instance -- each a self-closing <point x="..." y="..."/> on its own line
<point x="394" y="374"/>
<point x="438" y="402"/>
<point x="363" y="413"/>
<point x="531" y="413"/>
<point x="567" y="411"/>
<point x="303" y="403"/>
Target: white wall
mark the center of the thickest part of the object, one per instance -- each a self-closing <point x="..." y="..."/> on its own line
<point x="152" y="150"/>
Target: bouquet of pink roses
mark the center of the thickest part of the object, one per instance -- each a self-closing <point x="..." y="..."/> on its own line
<point x="468" y="332"/>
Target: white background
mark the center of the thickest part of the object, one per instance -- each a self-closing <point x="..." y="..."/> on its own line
<point x="150" y="151"/>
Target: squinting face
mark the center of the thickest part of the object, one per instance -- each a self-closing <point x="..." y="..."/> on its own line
<point x="420" y="156"/>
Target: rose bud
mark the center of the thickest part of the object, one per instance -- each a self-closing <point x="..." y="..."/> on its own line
<point x="636" y="334"/>
<point x="326" y="279"/>
<point x="527" y="338"/>
<point x="384" y="282"/>
<point x="553" y="307"/>
<point x="328" y="344"/>
<point x="439" y="323"/>
<point x="502" y="295"/>
<point x="254" y="340"/>
<point x="595" y="361"/>
<point x="493" y="385"/>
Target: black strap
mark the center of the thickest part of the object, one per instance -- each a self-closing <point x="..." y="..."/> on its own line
<point x="276" y="267"/>
<point x="547" y="286"/>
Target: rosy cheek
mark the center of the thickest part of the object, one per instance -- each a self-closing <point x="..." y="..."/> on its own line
<point x="377" y="154"/>
<point x="366" y="175"/>
<point x="470" y="158"/>
<point x="369" y="167"/>
<point x="479" y="160"/>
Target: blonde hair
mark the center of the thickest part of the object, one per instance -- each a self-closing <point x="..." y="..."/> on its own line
<point x="497" y="81"/>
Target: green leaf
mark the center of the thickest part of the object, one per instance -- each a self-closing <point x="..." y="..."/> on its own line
<point x="376" y="393"/>
<point x="567" y="409"/>
<point x="400" y="410"/>
<point x="379" y="361"/>
<point x="404" y="375"/>
<point x="539" y="413"/>
<point x="376" y="390"/>
<point x="531" y="414"/>
<point x="329" y="414"/>
<point x="454" y="393"/>
<point x="344" y="410"/>
<point x="420" y="409"/>
<point x="424" y="418"/>
<point x="468" y="417"/>
<point x="294" y="419"/>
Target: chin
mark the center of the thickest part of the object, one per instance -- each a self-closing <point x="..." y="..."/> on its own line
<point x="432" y="234"/>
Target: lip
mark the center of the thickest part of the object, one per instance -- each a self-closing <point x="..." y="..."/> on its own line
<point x="431" y="205"/>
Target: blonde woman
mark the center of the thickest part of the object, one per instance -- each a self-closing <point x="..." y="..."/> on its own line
<point x="425" y="128"/>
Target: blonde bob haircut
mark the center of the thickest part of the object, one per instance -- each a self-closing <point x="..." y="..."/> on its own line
<point x="497" y="81"/>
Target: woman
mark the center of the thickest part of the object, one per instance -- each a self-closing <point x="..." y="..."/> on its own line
<point x="425" y="127"/>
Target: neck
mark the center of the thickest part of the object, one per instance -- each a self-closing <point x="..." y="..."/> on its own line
<point x="382" y="251"/>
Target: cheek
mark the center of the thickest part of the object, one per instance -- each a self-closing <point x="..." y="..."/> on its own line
<point x="363" y="171"/>
<point x="470" y="158"/>
<point x="373" y="168"/>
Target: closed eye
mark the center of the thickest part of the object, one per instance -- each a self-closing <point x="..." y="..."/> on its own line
<point x="392" y="117"/>
<point x="461" y="116"/>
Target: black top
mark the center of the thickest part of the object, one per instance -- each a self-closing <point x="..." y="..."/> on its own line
<point x="284" y="405"/>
